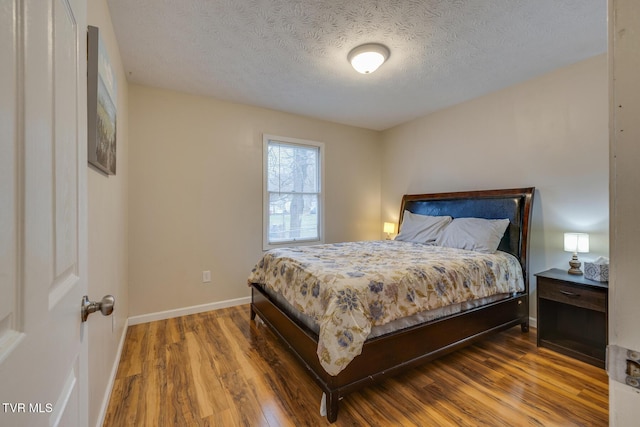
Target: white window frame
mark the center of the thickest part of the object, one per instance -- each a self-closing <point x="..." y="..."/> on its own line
<point x="266" y="138"/>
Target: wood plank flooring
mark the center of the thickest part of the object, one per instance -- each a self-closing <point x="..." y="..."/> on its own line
<point x="221" y="369"/>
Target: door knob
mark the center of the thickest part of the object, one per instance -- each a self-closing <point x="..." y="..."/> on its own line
<point x="105" y="306"/>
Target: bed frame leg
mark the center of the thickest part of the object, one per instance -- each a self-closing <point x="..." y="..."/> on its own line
<point x="253" y="314"/>
<point x="524" y="326"/>
<point x="332" y="406"/>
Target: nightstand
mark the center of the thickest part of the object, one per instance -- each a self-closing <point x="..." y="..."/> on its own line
<point x="572" y="315"/>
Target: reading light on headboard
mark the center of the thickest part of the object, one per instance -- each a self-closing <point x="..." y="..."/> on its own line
<point x="576" y="242"/>
<point x="389" y="228"/>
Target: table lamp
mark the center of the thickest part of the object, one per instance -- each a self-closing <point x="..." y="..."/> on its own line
<point x="389" y="228"/>
<point x="576" y="243"/>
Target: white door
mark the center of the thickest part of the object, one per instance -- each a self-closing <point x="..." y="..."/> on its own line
<point x="43" y="214"/>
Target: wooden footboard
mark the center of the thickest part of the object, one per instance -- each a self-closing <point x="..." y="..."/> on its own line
<point x="392" y="353"/>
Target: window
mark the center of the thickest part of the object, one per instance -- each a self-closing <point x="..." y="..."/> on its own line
<point x="293" y="200"/>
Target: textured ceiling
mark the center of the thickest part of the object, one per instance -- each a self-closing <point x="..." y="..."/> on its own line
<point x="290" y="55"/>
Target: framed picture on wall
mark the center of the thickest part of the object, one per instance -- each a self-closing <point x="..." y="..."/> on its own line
<point x="101" y="108"/>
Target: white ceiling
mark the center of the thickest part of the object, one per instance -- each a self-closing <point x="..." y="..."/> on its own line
<point x="290" y="55"/>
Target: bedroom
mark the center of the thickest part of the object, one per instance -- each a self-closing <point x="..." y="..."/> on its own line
<point x="166" y="184"/>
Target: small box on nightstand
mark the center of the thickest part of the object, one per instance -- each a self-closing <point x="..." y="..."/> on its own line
<point x="597" y="272"/>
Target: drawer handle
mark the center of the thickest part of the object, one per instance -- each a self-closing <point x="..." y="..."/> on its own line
<point x="569" y="294"/>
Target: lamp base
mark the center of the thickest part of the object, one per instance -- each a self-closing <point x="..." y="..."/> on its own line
<point x="575" y="265"/>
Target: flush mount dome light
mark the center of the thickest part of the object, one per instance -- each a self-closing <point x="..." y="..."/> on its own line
<point x="368" y="57"/>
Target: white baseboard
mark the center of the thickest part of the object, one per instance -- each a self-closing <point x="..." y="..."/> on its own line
<point x="169" y="314"/>
<point x="185" y="311"/>
<point x="112" y="376"/>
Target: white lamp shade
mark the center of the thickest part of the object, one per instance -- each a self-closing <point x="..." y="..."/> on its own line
<point x="389" y="227"/>
<point x="576" y="242"/>
<point x="367" y="58"/>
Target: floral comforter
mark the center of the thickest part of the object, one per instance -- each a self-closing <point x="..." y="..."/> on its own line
<point x="350" y="287"/>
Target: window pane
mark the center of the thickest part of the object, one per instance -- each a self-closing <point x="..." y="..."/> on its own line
<point x="292" y="168"/>
<point x="273" y="167"/>
<point x="293" y="217"/>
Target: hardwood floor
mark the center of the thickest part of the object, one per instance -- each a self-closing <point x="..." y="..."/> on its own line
<point x="221" y="369"/>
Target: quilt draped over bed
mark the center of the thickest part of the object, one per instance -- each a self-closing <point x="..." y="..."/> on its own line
<point x="348" y="288"/>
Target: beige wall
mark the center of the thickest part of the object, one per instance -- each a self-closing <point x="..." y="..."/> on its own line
<point x="550" y="132"/>
<point x="624" y="290"/>
<point x="195" y="194"/>
<point x="108" y="254"/>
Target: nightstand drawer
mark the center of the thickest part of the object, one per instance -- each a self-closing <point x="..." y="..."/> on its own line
<point x="578" y="296"/>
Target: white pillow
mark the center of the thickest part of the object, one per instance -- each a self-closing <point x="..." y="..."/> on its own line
<point x="421" y="228"/>
<point x="473" y="234"/>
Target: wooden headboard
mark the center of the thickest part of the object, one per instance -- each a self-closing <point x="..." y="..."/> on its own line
<point x="514" y="204"/>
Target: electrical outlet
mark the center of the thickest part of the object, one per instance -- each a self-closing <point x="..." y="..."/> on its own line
<point x="206" y="276"/>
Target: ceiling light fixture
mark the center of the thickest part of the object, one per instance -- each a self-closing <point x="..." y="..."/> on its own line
<point x="368" y="57"/>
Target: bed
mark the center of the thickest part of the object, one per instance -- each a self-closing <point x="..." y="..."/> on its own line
<point x="374" y="350"/>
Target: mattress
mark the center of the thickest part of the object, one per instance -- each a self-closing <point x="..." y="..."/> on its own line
<point x="395" y="325"/>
